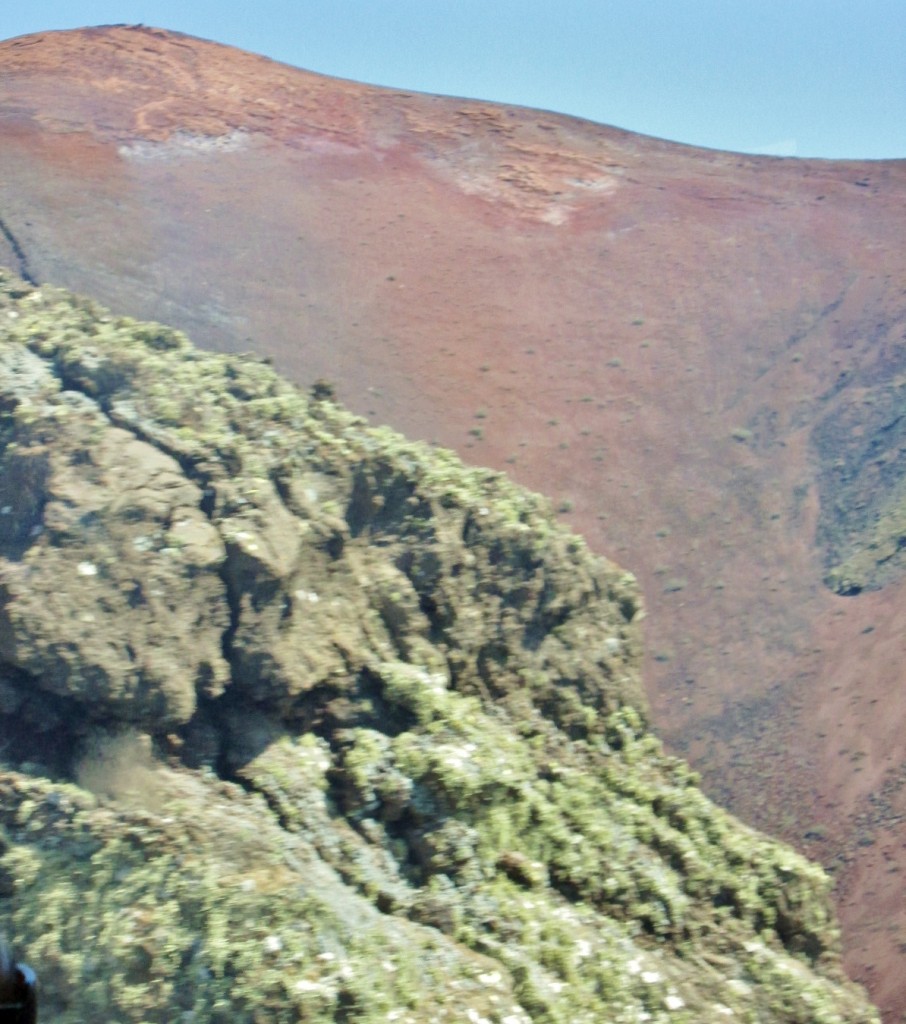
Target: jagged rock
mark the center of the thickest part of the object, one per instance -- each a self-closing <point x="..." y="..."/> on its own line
<point x="451" y="806"/>
<point x="308" y="547"/>
<point x="111" y="593"/>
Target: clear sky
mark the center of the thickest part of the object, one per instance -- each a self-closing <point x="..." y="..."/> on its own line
<point x="789" y="77"/>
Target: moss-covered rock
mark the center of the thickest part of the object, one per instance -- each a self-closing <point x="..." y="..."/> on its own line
<point x="442" y="798"/>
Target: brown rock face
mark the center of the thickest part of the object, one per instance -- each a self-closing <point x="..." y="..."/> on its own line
<point x="700" y="356"/>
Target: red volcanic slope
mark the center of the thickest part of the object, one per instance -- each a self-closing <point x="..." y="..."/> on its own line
<point x="649" y="333"/>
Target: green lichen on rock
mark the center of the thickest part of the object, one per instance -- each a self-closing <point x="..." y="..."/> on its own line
<point x="443" y="800"/>
<point x="338" y="546"/>
<point x="209" y="911"/>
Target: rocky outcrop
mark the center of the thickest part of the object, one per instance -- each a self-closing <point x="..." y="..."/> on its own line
<point x="175" y="522"/>
<point x="861" y="450"/>
<point x="304" y="721"/>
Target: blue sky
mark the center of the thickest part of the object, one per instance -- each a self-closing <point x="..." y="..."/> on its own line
<point x="790" y="77"/>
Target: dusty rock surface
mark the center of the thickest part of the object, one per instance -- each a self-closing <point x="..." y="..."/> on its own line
<point x="696" y="355"/>
<point x="302" y="720"/>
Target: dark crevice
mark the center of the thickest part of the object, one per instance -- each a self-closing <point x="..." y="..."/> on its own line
<point x="360" y="509"/>
<point x="104" y="402"/>
<point x="22" y="267"/>
<point x="545" y="619"/>
<point x="37" y="735"/>
<point x="843" y="589"/>
<point x="229" y="634"/>
<point x="185" y="462"/>
<point x="438" y="621"/>
<point x="277" y="477"/>
<point x="207" y="502"/>
<point x="274" y="805"/>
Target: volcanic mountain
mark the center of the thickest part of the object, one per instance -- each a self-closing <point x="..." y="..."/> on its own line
<point x="700" y="357"/>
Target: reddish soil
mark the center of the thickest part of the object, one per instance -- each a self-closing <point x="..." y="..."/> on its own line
<point x="646" y="332"/>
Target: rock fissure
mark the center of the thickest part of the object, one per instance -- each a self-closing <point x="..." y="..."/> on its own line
<point x="206" y="505"/>
<point x="22" y="264"/>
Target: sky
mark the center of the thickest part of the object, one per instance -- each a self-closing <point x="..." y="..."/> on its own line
<point x="813" y="78"/>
